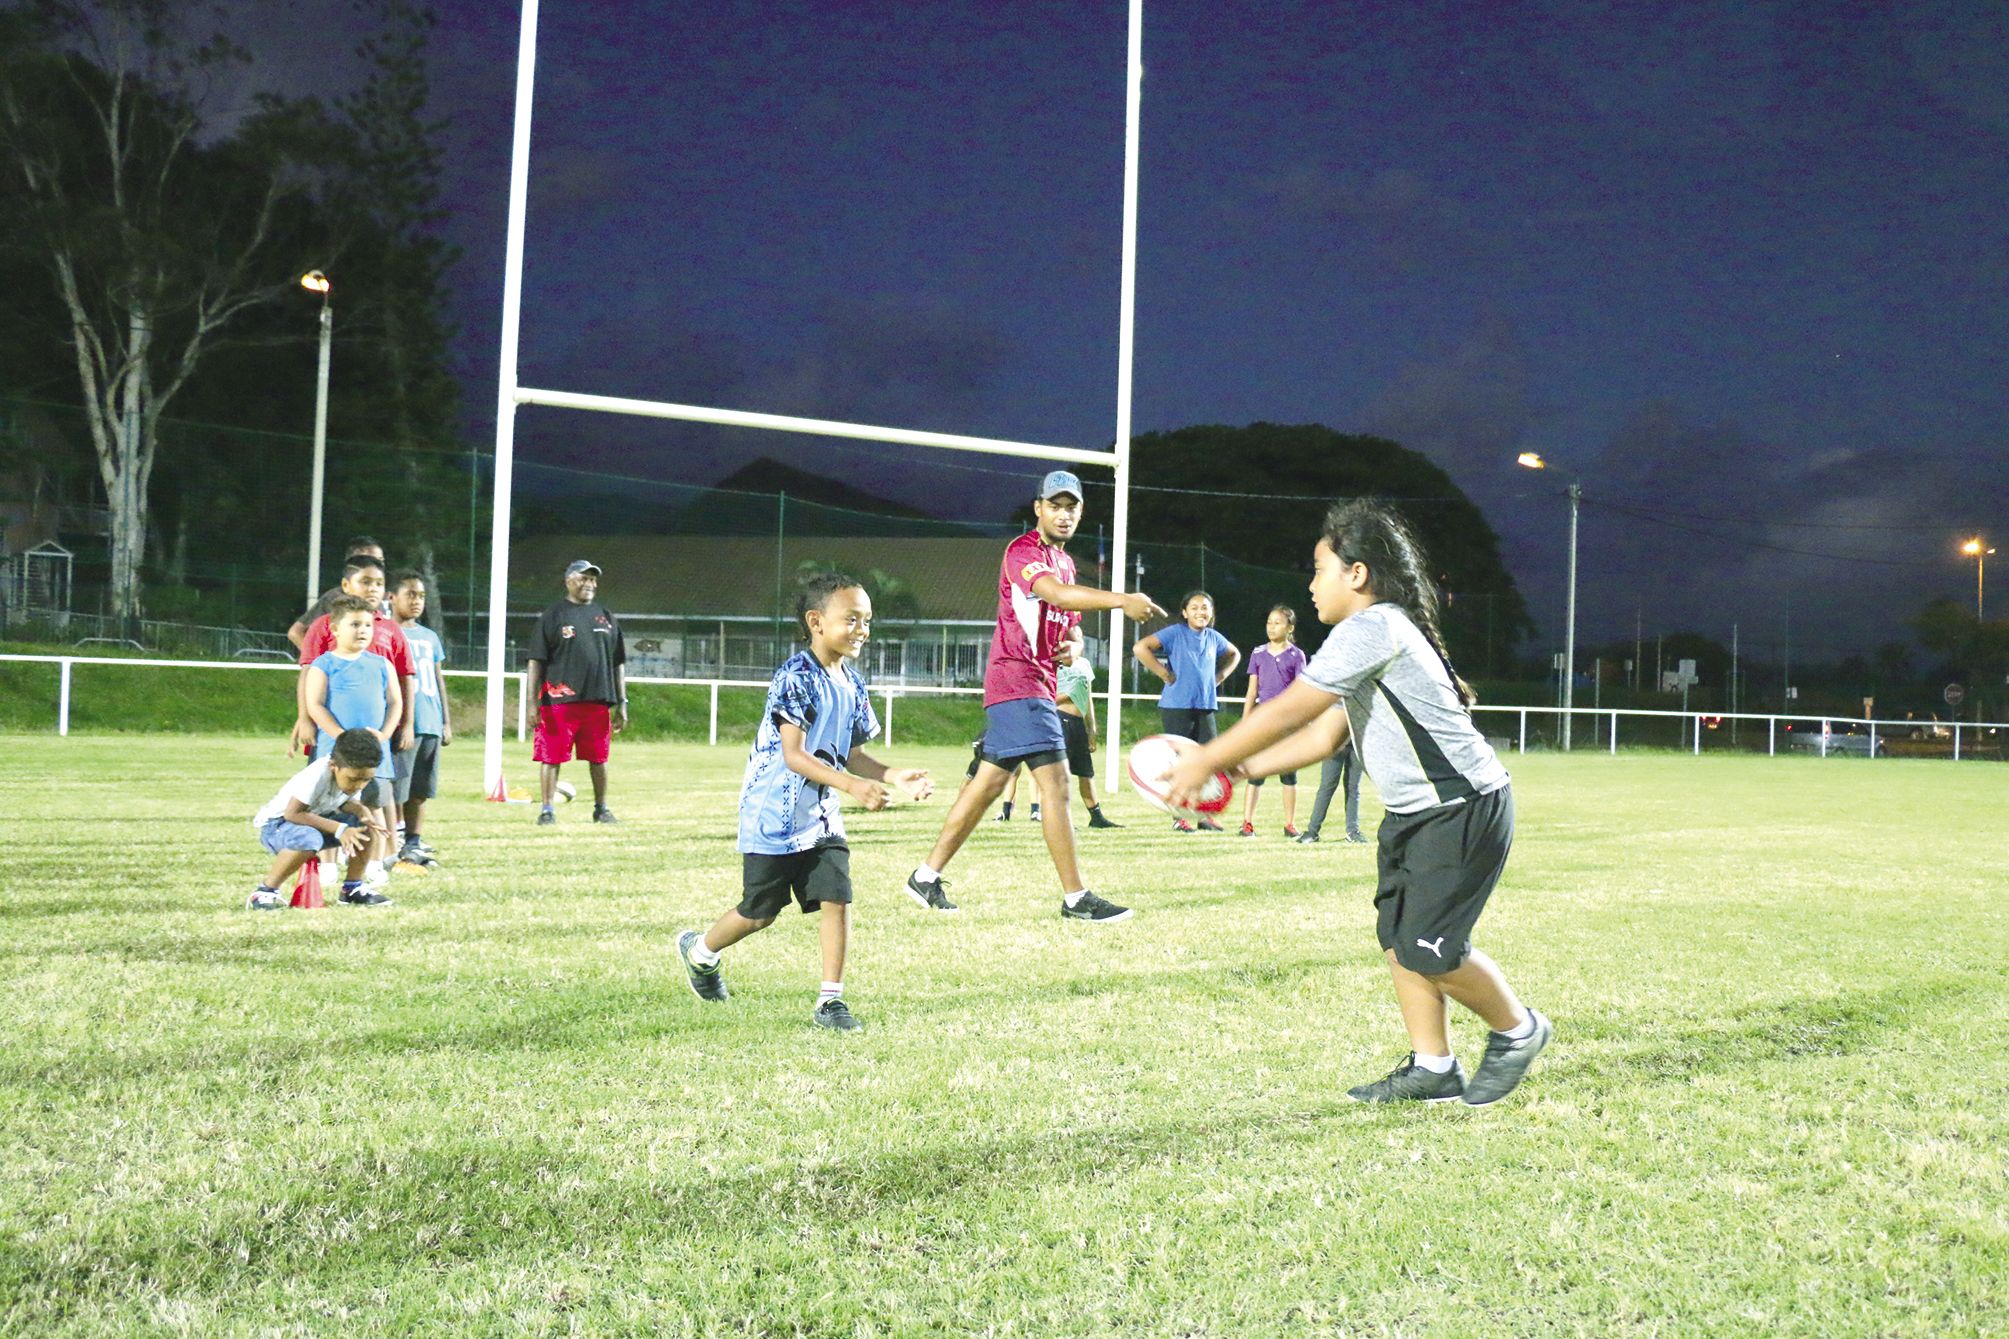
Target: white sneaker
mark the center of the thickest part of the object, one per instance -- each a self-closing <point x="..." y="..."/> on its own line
<point x="374" y="877"/>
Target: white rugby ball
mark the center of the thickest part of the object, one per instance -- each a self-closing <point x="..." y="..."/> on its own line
<point x="565" y="790"/>
<point x="1152" y="759"/>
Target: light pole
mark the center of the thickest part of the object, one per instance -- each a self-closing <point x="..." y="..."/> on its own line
<point x="316" y="282"/>
<point x="1977" y="549"/>
<point x="1532" y="461"/>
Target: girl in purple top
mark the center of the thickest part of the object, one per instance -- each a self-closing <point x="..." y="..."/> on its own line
<point x="1271" y="670"/>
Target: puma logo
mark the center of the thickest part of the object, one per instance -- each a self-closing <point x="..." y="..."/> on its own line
<point x="1436" y="947"/>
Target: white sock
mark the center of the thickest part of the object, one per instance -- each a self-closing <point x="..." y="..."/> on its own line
<point x="703" y="955"/>
<point x="1522" y="1030"/>
<point x="831" y="990"/>
<point x="1436" y="1064"/>
<point x="927" y="874"/>
<point x="1074" y="897"/>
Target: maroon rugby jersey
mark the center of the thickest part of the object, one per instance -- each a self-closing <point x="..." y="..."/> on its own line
<point x="1029" y="630"/>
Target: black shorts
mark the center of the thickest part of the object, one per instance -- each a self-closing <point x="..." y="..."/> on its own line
<point x="1438" y="867"/>
<point x="1288" y="778"/>
<point x="1080" y="758"/>
<point x="1195" y="723"/>
<point x="418" y="769"/>
<point x="810" y="877"/>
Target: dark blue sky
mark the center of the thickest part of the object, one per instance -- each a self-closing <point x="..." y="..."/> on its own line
<point x="1745" y="265"/>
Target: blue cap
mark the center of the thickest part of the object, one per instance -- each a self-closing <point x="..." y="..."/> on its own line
<point x="1059" y="481"/>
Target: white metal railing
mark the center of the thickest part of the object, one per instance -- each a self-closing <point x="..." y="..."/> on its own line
<point x="1836" y="735"/>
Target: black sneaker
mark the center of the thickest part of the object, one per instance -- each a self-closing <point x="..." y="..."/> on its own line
<point x="707" y="983"/>
<point x="1209" y="825"/>
<point x="1096" y="820"/>
<point x="930" y="895"/>
<point x="603" y="814"/>
<point x="1002" y="816"/>
<point x="1506" y="1062"/>
<point x="833" y="1015"/>
<point x="1355" y="839"/>
<point x="365" y="896"/>
<point x="1093" y="908"/>
<point x="545" y="818"/>
<point x="1307" y="839"/>
<point x="1410" y="1082"/>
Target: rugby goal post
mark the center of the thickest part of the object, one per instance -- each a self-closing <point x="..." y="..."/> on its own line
<point x="510" y="394"/>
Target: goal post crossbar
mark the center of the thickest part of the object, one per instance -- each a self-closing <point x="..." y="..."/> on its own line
<point x="818" y="427"/>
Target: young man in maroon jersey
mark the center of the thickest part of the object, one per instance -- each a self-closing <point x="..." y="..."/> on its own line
<point x="1038" y="602"/>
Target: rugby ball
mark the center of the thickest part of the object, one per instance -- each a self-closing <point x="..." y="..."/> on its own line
<point x="1152" y="759"/>
<point x="565" y="790"/>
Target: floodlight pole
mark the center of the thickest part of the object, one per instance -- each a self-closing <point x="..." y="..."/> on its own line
<point x="1126" y="345"/>
<point x="1570" y="619"/>
<point x="505" y="396"/>
<point x="320" y="452"/>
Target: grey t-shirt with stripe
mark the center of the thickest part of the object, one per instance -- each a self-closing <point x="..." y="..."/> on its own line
<point x="1416" y="738"/>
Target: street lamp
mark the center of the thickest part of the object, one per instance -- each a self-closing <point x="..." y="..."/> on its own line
<point x="1532" y="461"/>
<point x="316" y="282"/>
<point x="1977" y="549"/>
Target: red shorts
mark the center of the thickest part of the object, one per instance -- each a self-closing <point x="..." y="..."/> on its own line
<point x="565" y="726"/>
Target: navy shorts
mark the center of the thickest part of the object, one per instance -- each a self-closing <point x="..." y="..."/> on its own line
<point x="1025" y="731"/>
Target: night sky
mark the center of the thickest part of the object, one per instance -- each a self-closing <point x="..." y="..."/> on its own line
<point x="1743" y="266"/>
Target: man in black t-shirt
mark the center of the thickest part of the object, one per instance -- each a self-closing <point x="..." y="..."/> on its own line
<point x="578" y="679"/>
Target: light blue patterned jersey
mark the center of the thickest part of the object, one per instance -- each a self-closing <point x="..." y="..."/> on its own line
<point x="780" y="810"/>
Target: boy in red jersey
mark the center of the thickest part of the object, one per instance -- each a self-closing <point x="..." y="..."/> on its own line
<point x="1038" y="604"/>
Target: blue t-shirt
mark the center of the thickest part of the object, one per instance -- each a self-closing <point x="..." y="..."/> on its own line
<point x="1194" y="659"/>
<point x="428" y="654"/>
<point x="781" y="811"/>
<point x="356" y="697"/>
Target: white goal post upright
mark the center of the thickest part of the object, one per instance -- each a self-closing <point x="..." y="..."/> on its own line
<point x="510" y="394"/>
<point x="1126" y="344"/>
<point x="505" y="400"/>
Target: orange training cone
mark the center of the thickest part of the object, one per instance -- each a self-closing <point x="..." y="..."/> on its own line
<point x="307" y="888"/>
<point x="499" y="795"/>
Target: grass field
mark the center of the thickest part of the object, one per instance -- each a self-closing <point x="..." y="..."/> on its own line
<point x="1774" y="1105"/>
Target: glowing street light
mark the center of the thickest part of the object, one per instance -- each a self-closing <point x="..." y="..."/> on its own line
<point x="316" y="282"/>
<point x="1978" y="549"/>
<point x="1530" y="460"/>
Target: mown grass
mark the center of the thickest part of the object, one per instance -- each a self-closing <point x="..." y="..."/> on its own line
<point x="1773" y="1107"/>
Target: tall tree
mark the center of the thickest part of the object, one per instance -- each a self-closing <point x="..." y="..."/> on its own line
<point x="155" y="240"/>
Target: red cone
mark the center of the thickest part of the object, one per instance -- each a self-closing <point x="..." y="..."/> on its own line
<point x="500" y="795"/>
<point x="307" y="888"/>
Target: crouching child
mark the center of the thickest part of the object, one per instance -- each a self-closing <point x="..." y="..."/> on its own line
<point x="330" y="804"/>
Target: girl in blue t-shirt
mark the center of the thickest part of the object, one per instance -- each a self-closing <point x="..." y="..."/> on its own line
<point x="1193" y="659"/>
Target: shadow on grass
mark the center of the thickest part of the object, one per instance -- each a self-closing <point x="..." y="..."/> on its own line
<point x="431" y="1209"/>
<point x="1774" y="1033"/>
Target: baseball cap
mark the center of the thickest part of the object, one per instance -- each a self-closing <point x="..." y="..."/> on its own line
<point x="1059" y="481"/>
<point x="574" y="568"/>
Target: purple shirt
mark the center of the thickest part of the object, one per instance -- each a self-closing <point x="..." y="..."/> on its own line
<point x="1274" y="672"/>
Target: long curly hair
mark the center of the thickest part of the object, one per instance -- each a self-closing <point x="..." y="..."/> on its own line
<point x="1363" y="530"/>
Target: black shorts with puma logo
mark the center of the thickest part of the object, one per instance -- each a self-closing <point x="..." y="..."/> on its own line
<point x="1438" y="867"/>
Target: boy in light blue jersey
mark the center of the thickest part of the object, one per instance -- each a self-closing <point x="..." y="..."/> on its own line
<point x="432" y="723"/>
<point x="791" y="829"/>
